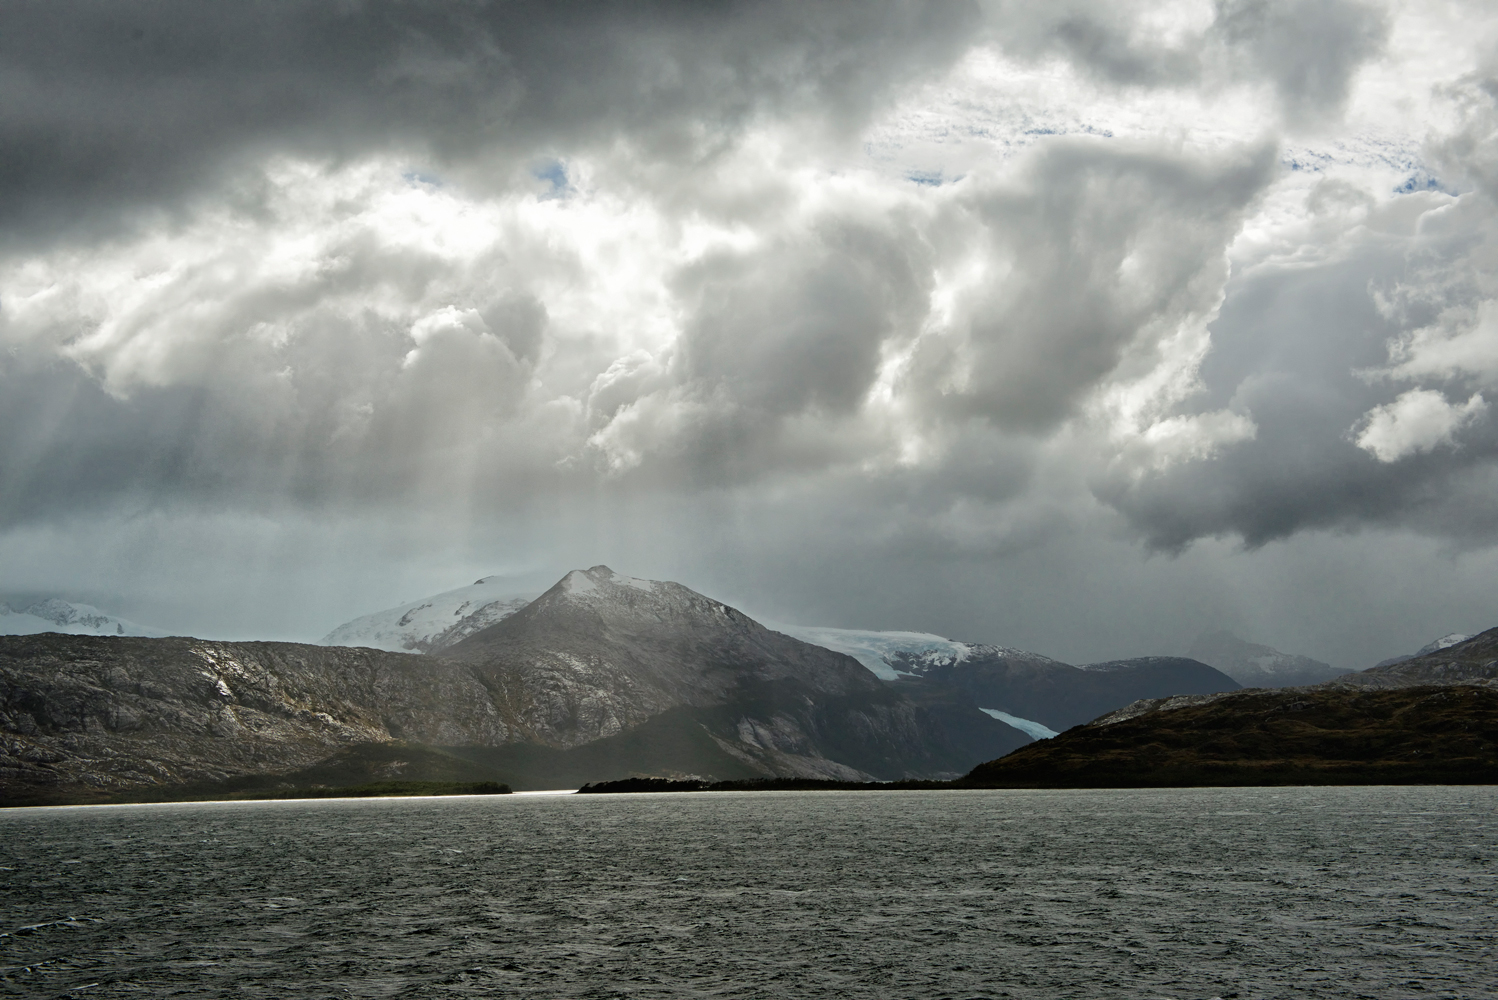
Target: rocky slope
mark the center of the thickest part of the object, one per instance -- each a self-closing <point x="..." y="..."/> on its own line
<point x="1473" y="660"/>
<point x="1253" y="665"/>
<point x="83" y="712"/>
<point x="1322" y="735"/>
<point x="1434" y="646"/>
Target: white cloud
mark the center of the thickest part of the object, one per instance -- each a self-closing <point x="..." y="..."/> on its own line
<point x="1419" y="420"/>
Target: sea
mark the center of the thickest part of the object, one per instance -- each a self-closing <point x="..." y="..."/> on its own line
<point x="1199" y="893"/>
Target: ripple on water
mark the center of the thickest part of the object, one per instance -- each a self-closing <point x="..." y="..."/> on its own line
<point x="1288" y="892"/>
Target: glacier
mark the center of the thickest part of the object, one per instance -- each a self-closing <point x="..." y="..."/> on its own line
<point x="433" y="623"/>
<point x="875" y="649"/>
<point x="56" y="615"/>
<point x="1034" y="730"/>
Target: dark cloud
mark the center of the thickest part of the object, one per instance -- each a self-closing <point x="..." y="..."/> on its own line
<point x="1100" y="247"/>
<point x="1308" y="49"/>
<point x="1300" y="349"/>
<point x="1106" y="41"/>
<point x="141" y="104"/>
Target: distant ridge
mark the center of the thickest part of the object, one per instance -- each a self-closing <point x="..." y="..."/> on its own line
<point x="601" y="677"/>
<point x="1253" y="665"/>
<point x="56" y="615"/>
<point x="1430" y="719"/>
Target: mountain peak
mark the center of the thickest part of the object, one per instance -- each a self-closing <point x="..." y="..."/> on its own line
<point x="587" y="581"/>
<point x="1444" y="642"/>
<point x="1255" y="665"/>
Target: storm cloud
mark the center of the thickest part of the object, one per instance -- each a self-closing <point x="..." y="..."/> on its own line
<point x="920" y="286"/>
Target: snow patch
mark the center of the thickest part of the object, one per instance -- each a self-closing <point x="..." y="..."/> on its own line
<point x="1444" y="642"/>
<point x="578" y="582"/>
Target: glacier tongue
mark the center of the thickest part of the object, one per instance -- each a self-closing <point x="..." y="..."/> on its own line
<point x="1034" y="730"/>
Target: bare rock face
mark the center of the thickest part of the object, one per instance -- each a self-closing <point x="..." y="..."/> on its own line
<point x="114" y="712"/>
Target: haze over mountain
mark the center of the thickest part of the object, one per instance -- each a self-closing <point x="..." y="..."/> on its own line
<point x="1253" y="665"/>
<point x="54" y="615"/>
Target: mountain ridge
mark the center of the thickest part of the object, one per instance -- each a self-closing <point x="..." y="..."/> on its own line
<point x="1255" y="665"/>
<point x="652" y="669"/>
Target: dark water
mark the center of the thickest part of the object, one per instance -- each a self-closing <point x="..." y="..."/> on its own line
<point x="1330" y="892"/>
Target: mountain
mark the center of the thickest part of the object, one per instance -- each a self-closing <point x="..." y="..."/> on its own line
<point x="1038" y="689"/>
<point x="1031" y="692"/>
<point x="1429" y="719"/>
<point x="433" y="623"/>
<point x="880" y="652"/>
<point x="601" y="677"/>
<point x="1253" y="665"/>
<point x="82" y="713"/>
<point x="70" y="619"/>
<point x="1320" y="735"/>
<point x="1434" y="646"/>
<point x="600" y="653"/>
<point x="943" y="675"/>
<point x="1472" y="660"/>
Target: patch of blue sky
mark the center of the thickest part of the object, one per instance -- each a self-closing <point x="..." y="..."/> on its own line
<point x="415" y="177"/>
<point x="1420" y="181"/>
<point x="554" y="172"/>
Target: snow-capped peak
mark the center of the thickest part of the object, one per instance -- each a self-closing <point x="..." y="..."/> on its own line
<point x="588" y="581"/>
<point x="55" y="615"/>
<point x="1444" y="642"/>
<point x="433" y="623"/>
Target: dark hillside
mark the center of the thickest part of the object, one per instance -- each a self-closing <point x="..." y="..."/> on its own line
<point x="1297" y="736"/>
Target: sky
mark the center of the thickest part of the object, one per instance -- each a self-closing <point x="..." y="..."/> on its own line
<point x="1080" y="327"/>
